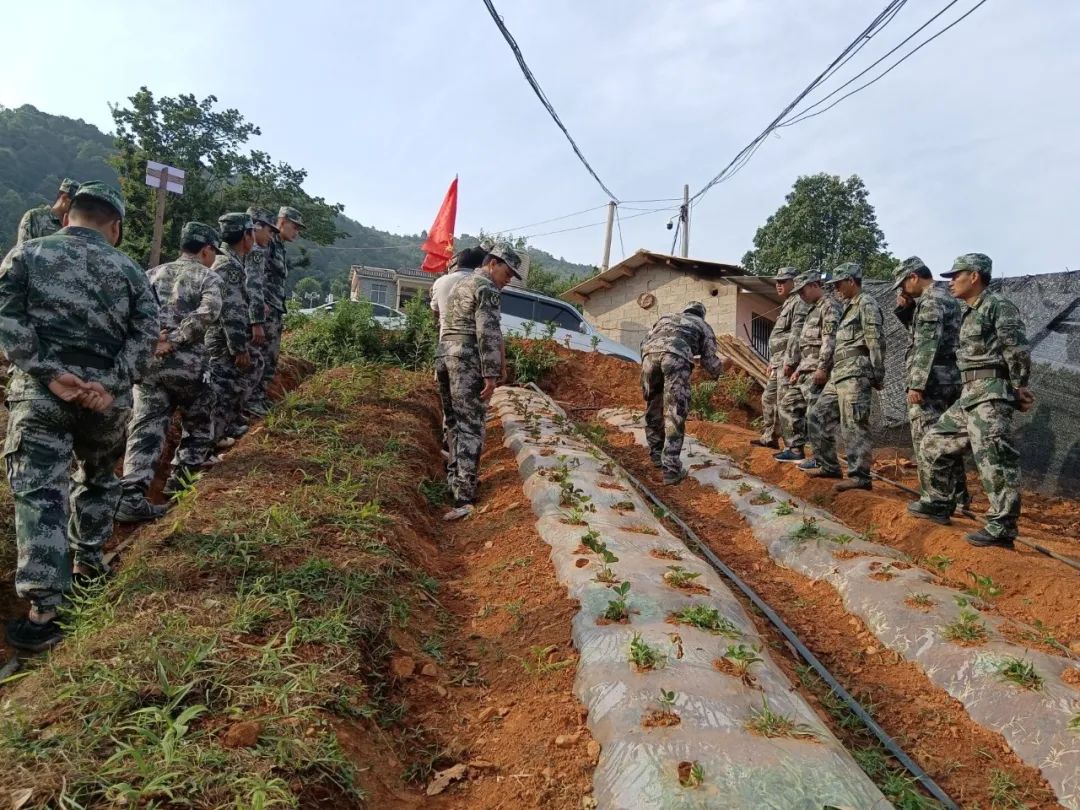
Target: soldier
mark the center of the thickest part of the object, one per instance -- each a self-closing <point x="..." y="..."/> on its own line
<point x="463" y="263"/>
<point x="994" y="362"/>
<point x="858" y="367"/>
<point x="228" y="339"/>
<point x="79" y="320"/>
<point x="468" y="364"/>
<point x="46" y="220"/>
<point x="190" y="297"/>
<point x="808" y="363"/>
<point x="792" y="314"/>
<point x="932" y="318"/>
<point x="667" y="361"/>
<point x="289" y="226"/>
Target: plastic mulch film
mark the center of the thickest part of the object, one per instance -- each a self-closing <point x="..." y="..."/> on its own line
<point x="875" y="586"/>
<point x="580" y="501"/>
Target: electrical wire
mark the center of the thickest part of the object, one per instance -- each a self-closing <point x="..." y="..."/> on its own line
<point x="618" y="224"/>
<point x="553" y="219"/>
<point x="531" y="79"/>
<point x="592" y="224"/>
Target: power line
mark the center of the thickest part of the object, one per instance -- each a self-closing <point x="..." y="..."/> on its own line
<point x="618" y="223"/>
<point x="531" y="79"/>
<point x="553" y="219"/>
<point x="592" y="224"/>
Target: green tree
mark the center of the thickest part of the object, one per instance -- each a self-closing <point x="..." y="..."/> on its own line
<point x="207" y="143"/>
<point x="824" y="222"/>
<point x="308" y="292"/>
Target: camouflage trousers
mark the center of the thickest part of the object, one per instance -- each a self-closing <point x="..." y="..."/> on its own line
<point x="843" y="407"/>
<point x="268" y="353"/>
<point x="59" y="513"/>
<point x="793" y="408"/>
<point x="936" y="400"/>
<point x="987" y="429"/>
<point x="770" y="411"/>
<point x="464" y="412"/>
<point x="229" y="385"/>
<point x="155" y="402"/>
<point x="665" y="384"/>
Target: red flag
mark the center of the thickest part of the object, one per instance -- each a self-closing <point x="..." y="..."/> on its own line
<point x="439" y="245"/>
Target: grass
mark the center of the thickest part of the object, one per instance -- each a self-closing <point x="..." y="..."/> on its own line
<point x="691" y="774"/>
<point x="701" y="404"/>
<point x="539" y="662"/>
<point x="767" y="723"/>
<point x="679" y="577"/>
<point x="967" y="628"/>
<point x="1022" y="673"/>
<point x="644" y="656"/>
<point x="708" y="619"/>
<point x="1004" y="792"/>
<point x="842" y="539"/>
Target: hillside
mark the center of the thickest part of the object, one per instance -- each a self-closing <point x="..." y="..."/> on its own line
<point x="37" y="150"/>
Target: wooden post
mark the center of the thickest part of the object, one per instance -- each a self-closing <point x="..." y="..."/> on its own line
<point x="607" y="236"/>
<point x="159" y="219"/>
<point x="685" y="221"/>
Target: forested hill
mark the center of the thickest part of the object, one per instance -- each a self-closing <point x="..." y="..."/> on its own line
<point x="38" y="150"/>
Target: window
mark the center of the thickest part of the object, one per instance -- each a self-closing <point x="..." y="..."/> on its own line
<point x="517" y="306"/>
<point x="382" y="311"/>
<point x="378" y="293"/>
<point x="563" y="317"/>
<point x="760" y="329"/>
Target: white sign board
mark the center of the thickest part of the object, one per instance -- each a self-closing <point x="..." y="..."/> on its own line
<point x="174" y="177"/>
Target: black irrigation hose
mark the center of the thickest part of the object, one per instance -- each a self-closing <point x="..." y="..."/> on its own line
<point x="888" y="742"/>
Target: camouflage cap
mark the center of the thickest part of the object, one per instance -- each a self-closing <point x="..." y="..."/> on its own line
<point x="104" y="192"/>
<point x="848" y="270"/>
<point x="68" y="186"/>
<point x="235" y="223"/>
<point x="695" y="308"/>
<point x="197" y="233"/>
<point x="291" y="214"/>
<point x="976" y="262"/>
<point x="786" y="274"/>
<point x="912" y="264"/>
<point x="508" y="256"/>
<point x="260" y="216"/>
<point x="809" y="277"/>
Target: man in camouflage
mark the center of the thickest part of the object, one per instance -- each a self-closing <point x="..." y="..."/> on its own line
<point x="858" y="368"/>
<point x="46" y="220"/>
<point x="995" y="364"/>
<point x="189" y="293"/>
<point x="468" y="364"/>
<point x="255" y="274"/>
<point x="228" y="338"/>
<point x="667" y="361"/>
<point x="79" y="321"/>
<point x="289" y="224"/>
<point x="788" y="322"/>
<point x="808" y="362"/>
<point x="932" y="318"/>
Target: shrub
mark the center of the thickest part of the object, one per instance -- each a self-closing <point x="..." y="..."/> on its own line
<point x="530" y="360"/>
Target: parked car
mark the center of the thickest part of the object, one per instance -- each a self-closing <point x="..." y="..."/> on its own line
<point x="385" y="316"/>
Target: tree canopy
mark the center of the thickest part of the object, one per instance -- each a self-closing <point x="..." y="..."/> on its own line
<point x="824" y="222"/>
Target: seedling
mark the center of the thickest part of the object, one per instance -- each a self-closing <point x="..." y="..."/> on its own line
<point x="743" y="657"/>
<point x="679" y="577"/>
<point x="940" y="562"/>
<point x="919" y="600"/>
<point x="644" y="656"/>
<point x="666" y="553"/>
<point x="623" y="506"/>
<point x="1022" y="673"/>
<point x="763" y="498"/>
<point x="708" y="619"/>
<point x="744" y="488"/>
<point x="590" y="538"/>
<point x="767" y="723"/>
<point x="808" y="530"/>
<point x="594" y="341"/>
<point x="983" y="587"/>
<point x="549" y="330"/>
<point x="966" y="629"/>
<point x="640" y="528"/>
<point x="667" y="700"/>
<point x="691" y="774"/>
<point x="842" y="539"/>
<point x="617" y="609"/>
<point x="1074" y="724"/>
<point x="784" y="509"/>
<point x="575" y="517"/>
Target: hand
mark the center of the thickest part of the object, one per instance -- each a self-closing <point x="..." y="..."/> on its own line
<point x="788" y="369"/>
<point x="258" y="334"/>
<point x="242" y="360"/>
<point x="163" y="347"/>
<point x="902" y="300"/>
<point x="96" y="398"/>
<point x="794" y="378"/>
<point x="67" y="387"/>
<point x="1026" y="398"/>
<point x="821" y="376"/>
<point x="915" y="397"/>
<point x="489" y="388"/>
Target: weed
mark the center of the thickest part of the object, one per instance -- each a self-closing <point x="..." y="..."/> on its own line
<point x="594" y="341"/>
<point x="666" y="553"/>
<point x="1042" y="634"/>
<point x="642" y="529"/>
<point x="594" y="432"/>
<point x="436" y="492"/>
<point x="940" y="562"/>
<point x="808" y="530"/>
<point x="966" y="629"/>
<point x="983" y="587"/>
<point x="743" y="657"/>
<point x="691" y="774"/>
<point x="186" y="492"/>
<point x="701" y="402"/>
<point x="427" y="583"/>
<point x="744" y="488"/>
<point x="1004" y="792"/>
<point x="919" y="600"/>
<point x="763" y="498"/>
<point x="617" y="609"/>
<point x="785" y="508"/>
<point x="623" y="506"/>
<point x="644" y="656"/>
<point x="550" y="328"/>
<point x="516" y="609"/>
<point x="433" y="646"/>
<point x="841" y="539"/>
<point x="679" y="577"/>
<point x="767" y="723"/>
<point x="737" y="388"/>
<point x="1022" y="673"/>
<point x="539" y="663"/>
<point x="531" y="361"/>
<point x="707" y="618"/>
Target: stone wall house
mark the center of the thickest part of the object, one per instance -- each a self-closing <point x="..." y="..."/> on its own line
<point x="393" y="288"/>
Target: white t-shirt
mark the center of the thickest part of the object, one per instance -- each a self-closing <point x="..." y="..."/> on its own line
<point x="440" y="293"/>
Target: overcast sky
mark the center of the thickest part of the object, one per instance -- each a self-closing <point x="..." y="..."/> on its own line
<point x="971" y="145"/>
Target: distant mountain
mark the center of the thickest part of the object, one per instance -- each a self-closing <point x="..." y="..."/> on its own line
<point x="38" y="150"/>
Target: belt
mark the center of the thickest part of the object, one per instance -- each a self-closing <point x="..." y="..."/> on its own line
<point x="849" y="353"/>
<point x="971" y="375"/>
<point x="85" y="359"/>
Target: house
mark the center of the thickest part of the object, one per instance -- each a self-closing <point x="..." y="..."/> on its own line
<point x="393" y="288"/>
<point x="626" y="300"/>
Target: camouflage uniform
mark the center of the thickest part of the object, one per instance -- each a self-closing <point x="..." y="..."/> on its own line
<point x="812" y="350"/>
<point x="933" y="324"/>
<point x="69" y="303"/>
<point x="994" y="361"/>
<point x="275" y="272"/>
<point x="858" y="367"/>
<point x="788" y="322"/>
<point x="470" y="351"/>
<point x="667" y="360"/>
<point x="41" y="221"/>
<point x="190" y="297"/>
<point x="254" y="281"/>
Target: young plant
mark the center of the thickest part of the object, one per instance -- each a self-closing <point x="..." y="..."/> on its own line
<point x="591" y="540"/>
<point x="691" y="774"/>
<point x="605" y="574"/>
<point x="623" y="506"/>
<point x="594" y="341"/>
<point x="919" y="600"/>
<point x="679" y="577"/>
<point x="644" y="656"/>
<point x="966" y="629"/>
<point x="576" y="517"/>
<point x="767" y="723"/>
<point x="808" y="530"/>
<point x="983" y="587"/>
<point x="1074" y="724"/>
<point x="940" y="562"/>
<point x="708" y="619"/>
<point x="744" y="488"/>
<point x="1022" y="673"/>
<point x="541" y="663"/>
<point x="549" y="330"/>
<point x="763" y="498"/>
<point x="701" y="403"/>
<point x="784" y="509"/>
<point x="617" y="609"/>
<point x="667" y="700"/>
<point x="742" y="658"/>
<point x="842" y="539"/>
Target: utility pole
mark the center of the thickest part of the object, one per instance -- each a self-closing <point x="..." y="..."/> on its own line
<point x="164" y="179"/>
<point x="607" y="236"/>
<point x="684" y="215"/>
